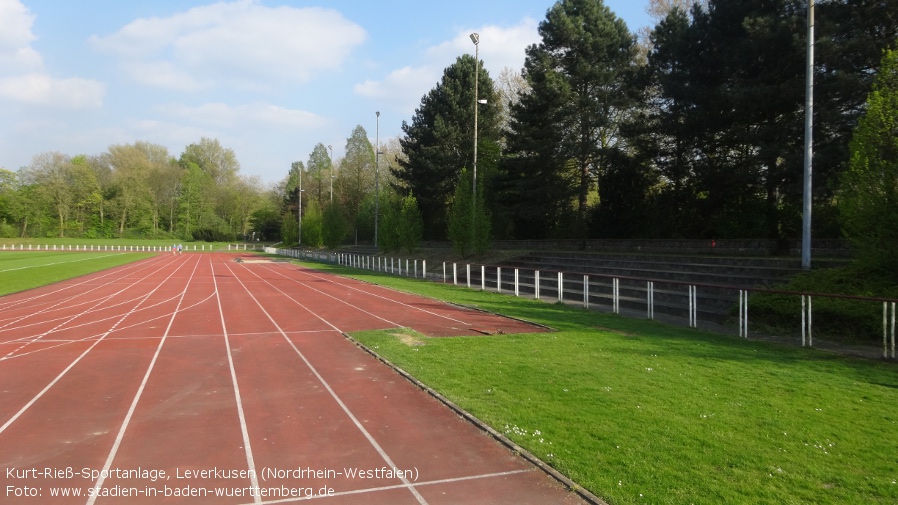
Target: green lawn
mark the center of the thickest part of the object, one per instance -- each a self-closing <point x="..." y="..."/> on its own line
<point x="641" y="412"/>
<point x="21" y="270"/>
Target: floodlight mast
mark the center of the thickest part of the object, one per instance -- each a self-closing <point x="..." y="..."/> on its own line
<point x="808" y="202"/>
<point x="376" y="178"/>
<point x="332" y="172"/>
<point x="475" y="38"/>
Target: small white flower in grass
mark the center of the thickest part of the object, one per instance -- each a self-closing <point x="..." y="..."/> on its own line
<point x="648" y="369"/>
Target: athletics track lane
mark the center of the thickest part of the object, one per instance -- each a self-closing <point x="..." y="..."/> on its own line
<point x="163" y="395"/>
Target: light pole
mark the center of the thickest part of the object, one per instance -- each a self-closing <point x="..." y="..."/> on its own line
<point x="475" y="38"/>
<point x="299" y="210"/>
<point x="808" y="202"/>
<point x="332" y="172"/>
<point x="376" y="178"/>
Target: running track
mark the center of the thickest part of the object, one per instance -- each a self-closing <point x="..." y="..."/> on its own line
<point x="233" y="378"/>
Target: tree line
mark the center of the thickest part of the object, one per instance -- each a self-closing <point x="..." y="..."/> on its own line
<point x="132" y="190"/>
<point x="692" y="129"/>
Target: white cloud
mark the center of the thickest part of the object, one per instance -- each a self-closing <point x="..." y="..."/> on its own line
<point x="403" y="87"/>
<point x="23" y="80"/>
<point x="40" y="89"/>
<point x="16" y="53"/>
<point x="240" y="43"/>
<point x="500" y="47"/>
<point x="254" y="115"/>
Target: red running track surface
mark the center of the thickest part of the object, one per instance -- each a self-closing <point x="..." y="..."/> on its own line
<point x="194" y="379"/>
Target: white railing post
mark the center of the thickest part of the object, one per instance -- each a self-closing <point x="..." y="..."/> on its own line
<point x="585" y="291"/>
<point x="650" y="299"/>
<point x="615" y="295"/>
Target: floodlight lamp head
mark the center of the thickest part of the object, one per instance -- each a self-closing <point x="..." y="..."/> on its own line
<point x="475" y="38"/>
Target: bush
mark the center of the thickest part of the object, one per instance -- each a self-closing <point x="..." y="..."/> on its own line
<point x="8" y="231"/>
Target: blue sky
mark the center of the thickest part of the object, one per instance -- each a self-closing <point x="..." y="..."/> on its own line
<point x="267" y="78"/>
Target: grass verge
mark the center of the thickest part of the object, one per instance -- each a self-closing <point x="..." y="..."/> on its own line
<point x="23" y="270"/>
<point x="641" y="412"/>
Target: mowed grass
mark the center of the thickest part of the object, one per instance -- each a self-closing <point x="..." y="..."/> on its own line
<point x="641" y="412"/>
<point x="21" y="270"/>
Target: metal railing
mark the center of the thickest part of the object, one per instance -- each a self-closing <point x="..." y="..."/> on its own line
<point x="689" y="301"/>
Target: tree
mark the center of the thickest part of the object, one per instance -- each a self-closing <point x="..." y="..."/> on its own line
<point x="868" y="200"/>
<point x="193" y="200"/>
<point x="410" y="224"/>
<point x="312" y="235"/>
<point x="356" y="176"/>
<point x="583" y="64"/>
<point x="334" y="226"/>
<point x="439" y="141"/>
<point x="9" y="185"/>
<point x="468" y="231"/>
<point x="52" y="175"/>
<point x="220" y="163"/>
<point x="130" y="169"/>
<point x="246" y="196"/>
<point x="320" y="170"/>
<point x="510" y="86"/>
<point x="85" y="189"/>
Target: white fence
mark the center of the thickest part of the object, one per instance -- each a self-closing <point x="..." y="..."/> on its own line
<point x="594" y="291"/>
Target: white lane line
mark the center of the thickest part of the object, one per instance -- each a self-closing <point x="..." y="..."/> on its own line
<point x="146" y="377"/>
<point x="123" y="271"/>
<point x="334" y="395"/>
<point x="58" y="263"/>
<point x="79" y="358"/>
<point x="250" y="461"/>
<point x="68" y="318"/>
<point x="391" y="323"/>
<point x="62" y="342"/>
<point x="400" y="486"/>
<point x="90" y="309"/>
<point x="347" y="286"/>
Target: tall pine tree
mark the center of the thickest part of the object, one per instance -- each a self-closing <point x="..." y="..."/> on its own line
<point x="583" y="65"/>
<point x="440" y="141"/>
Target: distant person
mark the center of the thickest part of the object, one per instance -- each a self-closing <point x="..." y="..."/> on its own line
<point x="179" y="248"/>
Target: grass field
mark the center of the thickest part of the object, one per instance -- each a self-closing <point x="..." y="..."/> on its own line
<point x="21" y="270"/>
<point x="641" y="412"/>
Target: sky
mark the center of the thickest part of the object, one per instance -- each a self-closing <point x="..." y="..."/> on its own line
<point x="269" y="79"/>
